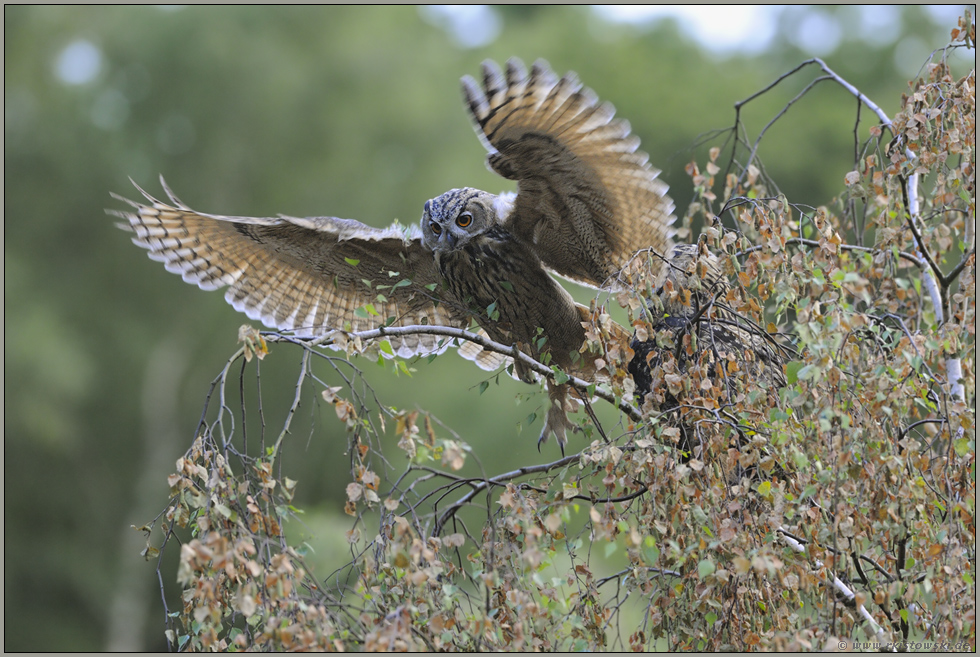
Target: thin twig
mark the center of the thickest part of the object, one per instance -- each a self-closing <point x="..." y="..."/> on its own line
<point x="914" y="259"/>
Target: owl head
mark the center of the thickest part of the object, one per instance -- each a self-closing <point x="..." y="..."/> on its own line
<point x="451" y="220"/>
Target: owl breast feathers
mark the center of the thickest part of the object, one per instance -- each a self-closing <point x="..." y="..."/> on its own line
<point x="587" y="200"/>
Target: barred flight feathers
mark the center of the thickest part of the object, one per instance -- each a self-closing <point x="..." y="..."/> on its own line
<point x="587" y="198"/>
<point x="307" y="275"/>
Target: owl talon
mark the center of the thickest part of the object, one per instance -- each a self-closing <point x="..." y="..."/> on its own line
<point x="543" y="438"/>
<point x="557" y="423"/>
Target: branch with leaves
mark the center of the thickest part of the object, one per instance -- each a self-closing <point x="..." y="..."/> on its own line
<point x="729" y="512"/>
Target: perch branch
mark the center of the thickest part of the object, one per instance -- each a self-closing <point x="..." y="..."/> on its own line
<point x="486" y="343"/>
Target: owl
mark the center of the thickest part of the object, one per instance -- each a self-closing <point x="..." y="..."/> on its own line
<point x="587" y="200"/>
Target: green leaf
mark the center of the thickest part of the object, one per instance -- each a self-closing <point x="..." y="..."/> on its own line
<point x="792" y="369"/>
<point x="778" y="415"/>
<point x="705" y="567"/>
<point x="807" y="372"/>
<point x="506" y="285"/>
<point x="651" y="554"/>
<point x="385" y="347"/>
<point x="353" y="262"/>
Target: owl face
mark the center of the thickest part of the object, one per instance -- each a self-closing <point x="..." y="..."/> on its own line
<point x="453" y="219"/>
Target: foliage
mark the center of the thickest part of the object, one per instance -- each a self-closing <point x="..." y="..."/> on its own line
<point x="797" y="518"/>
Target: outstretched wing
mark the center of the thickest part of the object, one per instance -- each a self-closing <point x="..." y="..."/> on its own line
<point x="307" y="275"/>
<point x="587" y="198"/>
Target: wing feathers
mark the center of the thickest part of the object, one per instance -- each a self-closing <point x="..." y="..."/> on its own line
<point x="301" y="274"/>
<point x="588" y="198"/>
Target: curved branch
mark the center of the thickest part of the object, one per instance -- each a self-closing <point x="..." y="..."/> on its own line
<point x="486" y="343"/>
<point x="914" y="259"/>
<point x="480" y="486"/>
<point x="931" y="275"/>
<point x="955" y="271"/>
<point x="838" y="584"/>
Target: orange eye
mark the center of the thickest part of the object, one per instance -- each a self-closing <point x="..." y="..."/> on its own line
<point x="464" y="220"/>
<point x="435" y="228"/>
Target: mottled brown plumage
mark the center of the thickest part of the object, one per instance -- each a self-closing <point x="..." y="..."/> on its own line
<point x="587" y="200"/>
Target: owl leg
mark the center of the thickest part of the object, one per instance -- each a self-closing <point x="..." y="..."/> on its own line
<point x="524" y="373"/>
<point x="557" y="421"/>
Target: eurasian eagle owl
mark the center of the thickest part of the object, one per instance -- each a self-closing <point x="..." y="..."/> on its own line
<point x="587" y="201"/>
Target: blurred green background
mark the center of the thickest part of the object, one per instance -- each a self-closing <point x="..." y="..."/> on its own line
<point x="352" y="112"/>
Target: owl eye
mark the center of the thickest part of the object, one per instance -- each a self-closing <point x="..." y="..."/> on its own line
<point x="464" y="220"/>
<point x="435" y="228"/>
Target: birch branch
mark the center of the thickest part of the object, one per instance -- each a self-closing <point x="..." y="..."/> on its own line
<point x="838" y="584"/>
<point x="486" y="343"/>
<point x="954" y="368"/>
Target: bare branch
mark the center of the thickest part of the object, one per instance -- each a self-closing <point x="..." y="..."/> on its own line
<point x="482" y="485"/>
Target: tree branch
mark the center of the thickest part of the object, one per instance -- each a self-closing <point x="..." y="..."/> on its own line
<point x="914" y="259"/>
<point x="482" y="485"/>
<point x="461" y="334"/>
<point x="910" y="188"/>
<point x="838" y="584"/>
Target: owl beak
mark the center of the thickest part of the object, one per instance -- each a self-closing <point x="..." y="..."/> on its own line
<point x="447" y="239"/>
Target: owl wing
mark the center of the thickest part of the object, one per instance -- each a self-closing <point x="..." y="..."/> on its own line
<point x="307" y="275"/>
<point x="587" y="199"/>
